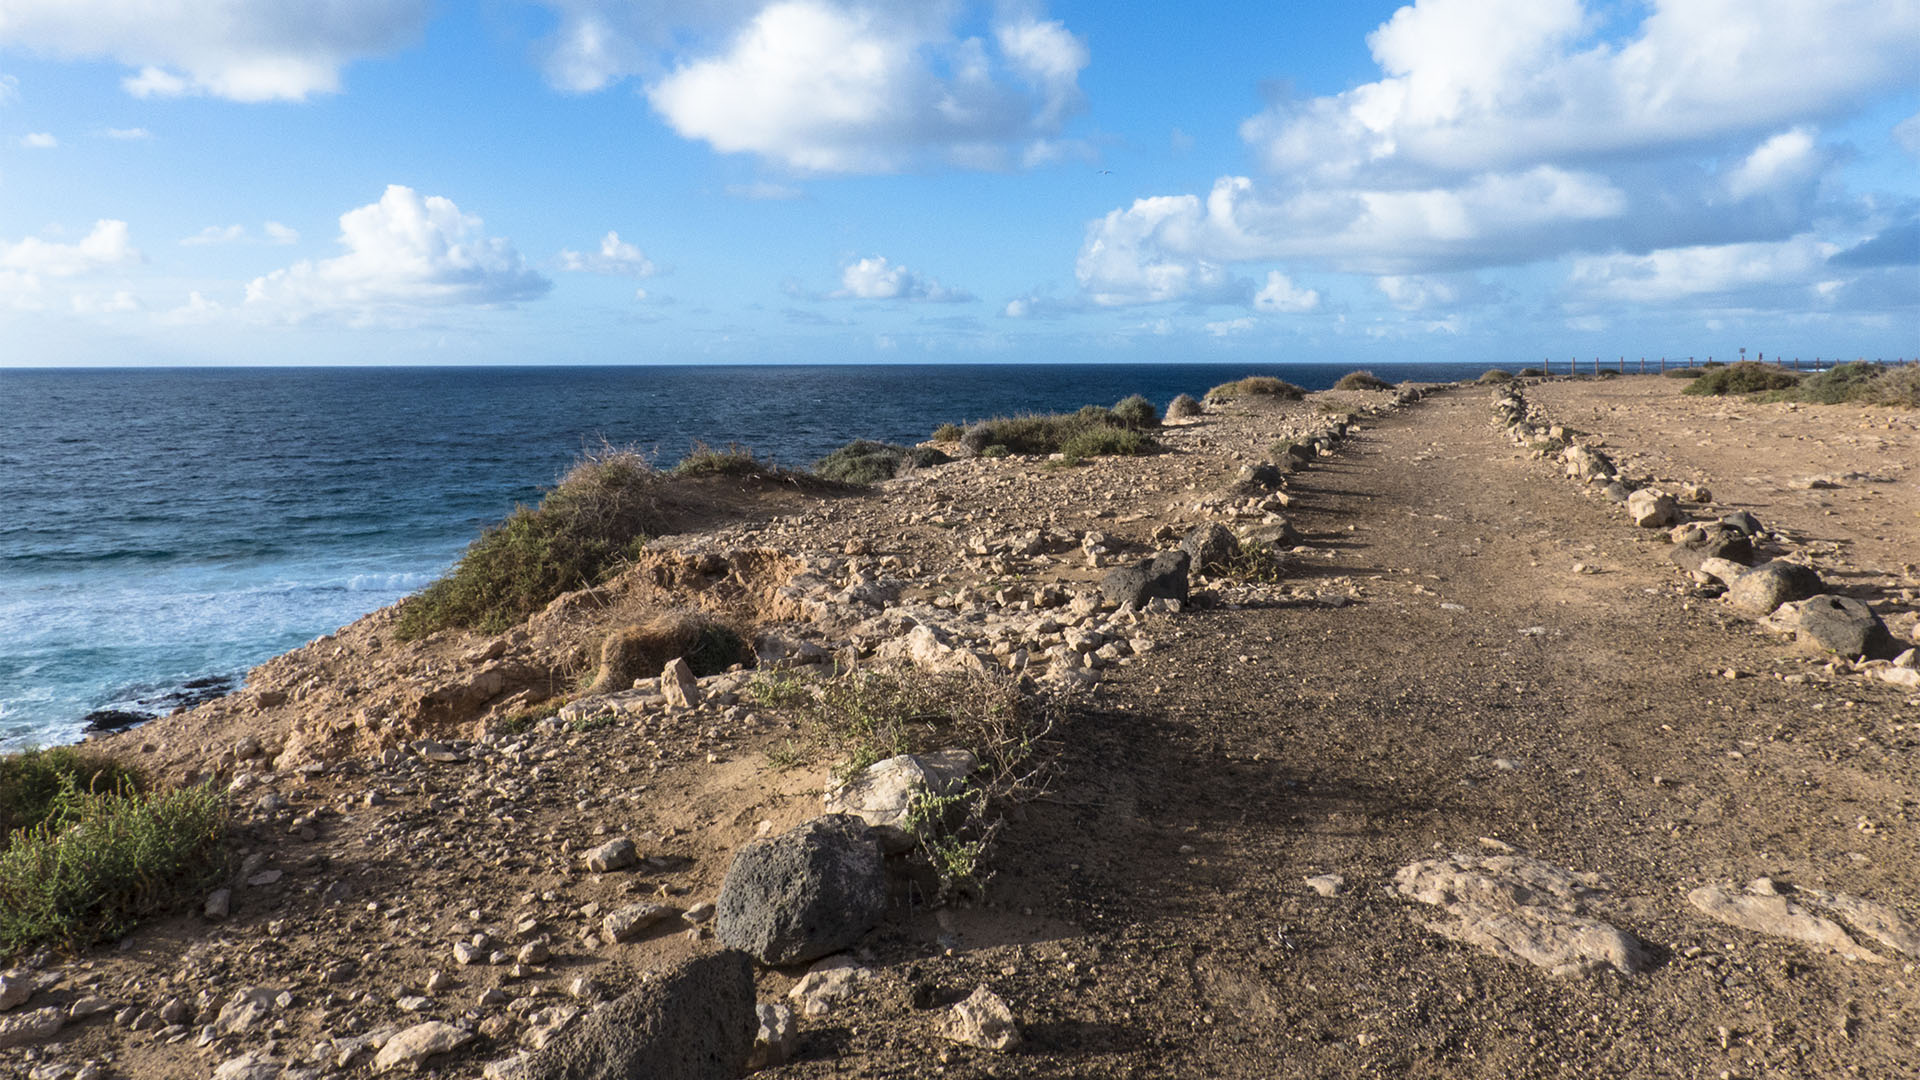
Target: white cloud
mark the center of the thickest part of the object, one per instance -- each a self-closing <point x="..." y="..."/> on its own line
<point x="216" y="234"/>
<point x="878" y="279"/>
<point x="114" y="303"/>
<point x="1491" y="84"/>
<point x="1705" y="270"/>
<point x="197" y="311"/>
<point x="38" y="140"/>
<point x="132" y="134"/>
<point x="1414" y="293"/>
<point x="827" y="86"/>
<point x="9" y="89"/>
<point x="106" y="246"/>
<point x="243" y="50"/>
<point x="765" y="191"/>
<point x="614" y="257"/>
<point x="1282" y="295"/>
<point x="280" y="234"/>
<point x="1789" y="159"/>
<point x="1907" y="134"/>
<point x="1230" y="327"/>
<point x="403" y="252"/>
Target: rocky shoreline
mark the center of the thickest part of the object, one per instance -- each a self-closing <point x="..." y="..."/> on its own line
<point x="453" y="855"/>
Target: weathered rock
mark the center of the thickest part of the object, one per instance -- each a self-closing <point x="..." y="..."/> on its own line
<point x="810" y="891"/>
<point x="252" y="1065"/>
<point x="1726" y="570"/>
<point x="1162" y="577"/>
<point x="245" y="1010"/>
<point x="982" y="1021"/>
<point x="616" y="854"/>
<point x="1522" y="909"/>
<point x="1701" y="542"/>
<point x="15" y="989"/>
<point x="1771" y="913"/>
<point x="826" y="984"/>
<point x="1651" y="509"/>
<point x="1329" y="885"/>
<point x="1742" y="522"/>
<point x="678" y="683"/>
<point x="695" y="1021"/>
<point x="1210" y="548"/>
<point x="1254" y="479"/>
<point x="1769" y="585"/>
<point x="629" y="922"/>
<point x="777" y="1038"/>
<point x="1838" y="624"/>
<point x="18" y="1029"/>
<point x="1276" y="534"/>
<point x="883" y="794"/>
<point x="419" y="1042"/>
<point x="1585" y="463"/>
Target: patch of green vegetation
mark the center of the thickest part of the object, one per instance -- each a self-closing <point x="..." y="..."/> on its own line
<point x="1362" y="380"/>
<point x="718" y="648"/>
<point x="1863" y="383"/>
<point x="1093" y="431"/>
<point x="583" y="724"/>
<point x="1742" y="378"/>
<point x="863" y="461"/>
<point x="1533" y="373"/>
<point x="31" y="781"/>
<point x="100" y="852"/>
<point x="734" y="460"/>
<point x="958" y="862"/>
<point x="1684" y="373"/>
<point x="997" y="450"/>
<point x="1494" y="376"/>
<point x="1182" y="406"/>
<point x="1256" y="386"/>
<point x="577" y="536"/>
<point x="948" y="433"/>
<point x="1256" y="562"/>
<point x="1136" y="412"/>
<point x="778" y="690"/>
<point x="520" y="722"/>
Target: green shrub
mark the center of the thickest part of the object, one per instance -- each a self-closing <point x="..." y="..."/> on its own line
<point x="1102" y="441"/>
<point x="1091" y="430"/>
<point x="948" y="433"/>
<point x="1899" y="386"/>
<point x="1532" y="373"/>
<point x="1745" y="377"/>
<point x="1838" y="384"/>
<point x="1256" y="386"/>
<point x="101" y="859"/>
<point x="31" y="780"/>
<point x="735" y="460"/>
<point x="717" y="649"/>
<point x="1183" y="405"/>
<point x="1495" y="375"/>
<point x="576" y="537"/>
<point x="863" y="461"/>
<point x="1684" y="372"/>
<point x="1136" y="412"/>
<point x="1362" y="380"/>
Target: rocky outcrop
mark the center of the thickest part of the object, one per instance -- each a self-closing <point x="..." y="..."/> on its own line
<point x="813" y="890"/>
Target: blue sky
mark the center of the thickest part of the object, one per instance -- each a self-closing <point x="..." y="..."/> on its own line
<point x="589" y="181"/>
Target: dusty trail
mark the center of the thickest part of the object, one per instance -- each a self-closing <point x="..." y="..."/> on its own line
<point x="1478" y="687"/>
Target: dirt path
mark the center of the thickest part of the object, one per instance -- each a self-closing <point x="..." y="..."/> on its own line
<point x="1476" y="686"/>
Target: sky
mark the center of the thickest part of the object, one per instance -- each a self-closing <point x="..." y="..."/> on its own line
<point x="691" y="181"/>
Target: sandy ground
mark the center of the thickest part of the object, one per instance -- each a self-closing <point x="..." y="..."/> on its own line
<point x="1433" y="675"/>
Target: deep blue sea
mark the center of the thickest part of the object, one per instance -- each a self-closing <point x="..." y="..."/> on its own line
<point x="160" y="527"/>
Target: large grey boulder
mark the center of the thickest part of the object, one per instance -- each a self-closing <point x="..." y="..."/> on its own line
<point x="1769" y="585"/>
<point x="694" y="1021"/>
<point x="1837" y="624"/>
<point x="1210" y="547"/>
<point x="1696" y="543"/>
<point x="810" y="891"/>
<point x="1162" y="577"/>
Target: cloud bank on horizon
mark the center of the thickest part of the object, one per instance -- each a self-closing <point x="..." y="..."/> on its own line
<point x="1496" y="179"/>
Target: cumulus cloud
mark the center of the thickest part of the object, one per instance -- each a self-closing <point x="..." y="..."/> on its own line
<point x="106" y="246"/>
<point x="403" y="252"/>
<point x="9" y="89"/>
<point x="117" y="302"/>
<point x="243" y="50"/>
<point x="615" y="256"/>
<point x="132" y="134"/>
<point x="216" y="234"/>
<point x="1787" y="160"/>
<point x="1281" y="295"/>
<point x="765" y="191"/>
<point x="1229" y="327"/>
<point x="878" y="279"/>
<point x="277" y="233"/>
<point x="823" y="86"/>
<point x="1674" y="274"/>
<point x="38" y="140"/>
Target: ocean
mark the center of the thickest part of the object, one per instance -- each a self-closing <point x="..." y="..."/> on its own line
<point x="166" y="529"/>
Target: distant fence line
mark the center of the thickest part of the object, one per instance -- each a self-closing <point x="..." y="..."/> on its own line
<point x="1574" y="364"/>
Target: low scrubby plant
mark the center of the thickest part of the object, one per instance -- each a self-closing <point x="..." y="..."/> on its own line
<point x="101" y="854"/>
<point x="1183" y="406"/>
<point x="1362" y="380"/>
<point x="1684" y="372"/>
<point x="1863" y="383"/>
<point x="1495" y="376"/>
<point x="1136" y="412"/>
<point x="1746" y="377"/>
<point x="734" y="460"/>
<point x="948" y="433"/>
<point x="1256" y="386"/>
<point x="863" y="461"/>
<point x="1090" y="432"/>
<point x="31" y="780"/>
<point x="1532" y="373"/>
<point x="581" y="531"/>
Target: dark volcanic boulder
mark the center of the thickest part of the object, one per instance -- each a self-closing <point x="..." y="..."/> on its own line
<point x="810" y="891"/>
<point x="691" y="1022"/>
<point x="1210" y="547"/>
<point x="1162" y="577"/>
<point x="1717" y="541"/>
<point x="1766" y="587"/>
<point x="113" y="719"/>
<point x="1838" y="624"/>
<point x="1743" y="521"/>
